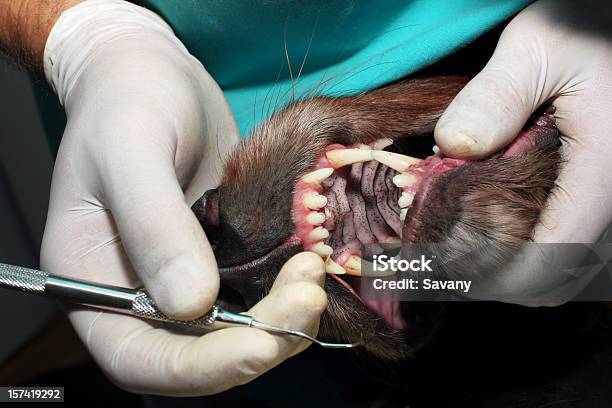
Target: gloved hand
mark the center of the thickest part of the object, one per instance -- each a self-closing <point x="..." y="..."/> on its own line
<point x="147" y="130"/>
<point x="560" y="51"/>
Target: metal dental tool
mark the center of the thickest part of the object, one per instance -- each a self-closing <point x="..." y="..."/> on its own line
<point x="128" y="301"/>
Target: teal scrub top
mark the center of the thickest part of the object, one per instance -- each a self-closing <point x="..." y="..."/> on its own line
<point x="265" y="53"/>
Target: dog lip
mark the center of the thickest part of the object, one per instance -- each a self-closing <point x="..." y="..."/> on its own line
<point x="394" y="323"/>
<point x="342" y="282"/>
<point x="246" y="278"/>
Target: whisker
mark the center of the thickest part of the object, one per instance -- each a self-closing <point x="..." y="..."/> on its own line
<point x="326" y="83"/>
<point x="377" y="55"/>
<point x="314" y="29"/>
<point x="354" y="74"/>
<point x="255" y="109"/>
<point x="265" y="112"/>
<point x="272" y="106"/>
<point x="289" y="61"/>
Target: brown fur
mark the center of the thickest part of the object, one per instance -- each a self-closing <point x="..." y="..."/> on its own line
<point x="265" y="168"/>
<point x="491" y="203"/>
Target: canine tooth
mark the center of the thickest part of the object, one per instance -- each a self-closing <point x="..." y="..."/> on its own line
<point x="314" y="201"/>
<point x="332" y="267"/>
<point x="380" y="144"/>
<point x="318" y="176"/>
<point x="322" y="249"/>
<point x="315" y="218"/>
<point x="353" y="265"/>
<point x="436" y="149"/>
<point x="396" y="161"/>
<point x="318" y="234"/>
<point x="403" y="213"/>
<point x="343" y="157"/>
<point x="393" y="240"/>
<point x="404" y="180"/>
<point x="405" y="200"/>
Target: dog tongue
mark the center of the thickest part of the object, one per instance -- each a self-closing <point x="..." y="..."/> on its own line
<point x="389" y="311"/>
<point x="386" y="307"/>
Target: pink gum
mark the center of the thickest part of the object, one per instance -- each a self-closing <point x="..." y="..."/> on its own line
<point x="431" y="166"/>
<point x="299" y="210"/>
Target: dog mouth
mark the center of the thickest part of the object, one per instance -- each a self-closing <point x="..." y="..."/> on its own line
<point x="378" y="193"/>
<point x="363" y="195"/>
<point x="346" y="196"/>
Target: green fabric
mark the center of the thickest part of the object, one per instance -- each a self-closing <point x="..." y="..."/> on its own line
<point x="333" y="47"/>
<point x="356" y="44"/>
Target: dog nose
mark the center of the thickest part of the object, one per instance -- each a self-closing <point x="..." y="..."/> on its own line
<point x="206" y="210"/>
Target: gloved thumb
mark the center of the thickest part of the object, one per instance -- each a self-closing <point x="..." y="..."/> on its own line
<point x="494" y="106"/>
<point x="163" y="239"/>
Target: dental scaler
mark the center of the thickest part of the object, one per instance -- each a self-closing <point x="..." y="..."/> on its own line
<point x="129" y="301"/>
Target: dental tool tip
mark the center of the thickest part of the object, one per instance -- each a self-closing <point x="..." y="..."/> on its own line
<point x="275" y="329"/>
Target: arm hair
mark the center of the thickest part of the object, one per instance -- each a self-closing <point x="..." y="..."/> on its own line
<point x="25" y="26"/>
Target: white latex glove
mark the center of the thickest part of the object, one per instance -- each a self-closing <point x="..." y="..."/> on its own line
<point x="559" y="50"/>
<point x="147" y="130"/>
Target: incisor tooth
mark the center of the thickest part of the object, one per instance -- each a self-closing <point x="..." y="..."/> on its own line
<point x="396" y="161"/>
<point x="405" y="200"/>
<point x="318" y="234"/>
<point x="314" y="201"/>
<point x="333" y="267"/>
<point x="315" y="218"/>
<point x="436" y="149"/>
<point x="343" y="157"/>
<point x="404" y="180"/>
<point x="322" y="249"/>
<point x="403" y="213"/>
<point x="318" y="176"/>
<point x="353" y="265"/>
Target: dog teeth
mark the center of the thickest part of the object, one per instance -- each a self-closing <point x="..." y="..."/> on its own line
<point x="315" y="218"/>
<point x="321" y="249"/>
<point x="315" y="201"/>
<point x="405" y="200"/>
<point x="343" y="157"/>
<point x="393" y="240"/>
<point x="318" y="234"/>
<point x="404" y="180"/>
<point x="318" y="176"/>
<point x="333" y="268"/>
<point x="396" y="161"/>
<point x="436" y="149"/>
<point x="353" y="265"/>
<point x="380" y="144"/>
<point x="403" y="213"/>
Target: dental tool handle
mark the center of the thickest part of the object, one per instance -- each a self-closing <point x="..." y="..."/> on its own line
<point x="128" y="301"/>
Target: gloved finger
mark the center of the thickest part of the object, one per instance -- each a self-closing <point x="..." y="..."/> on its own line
<point x="300" y="281"/>
<point x="542" y="274"/>
<point x="142" y="358"/>
<point x="494" y="106"/>
<point x="163" y="239"/>
<point x="139" y="355"/>
<point x="581" y="192"/>
<point x="556" y="266"/>
<point x="302" y="267"/>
